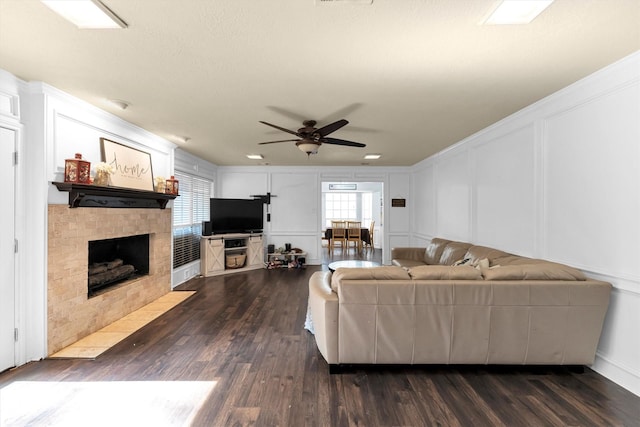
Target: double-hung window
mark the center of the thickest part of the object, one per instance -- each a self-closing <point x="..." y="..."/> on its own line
<point x="348" y="206"/>
<point x="340" y="206"/>
<point x="189" y="210"/>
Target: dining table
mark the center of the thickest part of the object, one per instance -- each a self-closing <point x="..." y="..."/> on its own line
<point x="364" y="235"/>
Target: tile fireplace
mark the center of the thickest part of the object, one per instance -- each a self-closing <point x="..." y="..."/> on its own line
<point x="71" y="314"/>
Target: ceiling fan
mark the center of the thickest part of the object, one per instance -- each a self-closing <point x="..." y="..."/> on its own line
<point x="310" y="137"/>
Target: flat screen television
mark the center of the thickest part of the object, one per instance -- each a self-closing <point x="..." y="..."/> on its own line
<point x="236" y="215"/>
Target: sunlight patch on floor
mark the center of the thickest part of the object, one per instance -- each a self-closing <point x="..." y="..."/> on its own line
<point x="104" y="403"/>
<point x="100" y="341"/>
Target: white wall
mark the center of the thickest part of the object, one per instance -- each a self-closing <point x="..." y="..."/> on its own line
<point x="558" y="180"/>
<point x="53" y="126"/>
<point x="297" y="199"/>
<point x="73" y="126"/>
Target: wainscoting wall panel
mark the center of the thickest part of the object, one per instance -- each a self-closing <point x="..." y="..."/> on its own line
<point x="558" y="180"/>
<point x="423" y="221"/>
<point x="453" y="195"/>
<point x="399" y="187"/>
<point x="592" y="183"/>
<point x="503" y="188"/>
<point x="294" y="189"/>
<point x="241" y="184"/>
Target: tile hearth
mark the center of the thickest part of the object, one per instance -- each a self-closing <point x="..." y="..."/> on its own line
<point x="100" y="341"/>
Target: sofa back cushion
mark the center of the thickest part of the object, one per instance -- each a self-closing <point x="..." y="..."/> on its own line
<point x="537" y="271"/>
<point x="476" y="253"/>
<point x="454" y="251"/>
<point x="434" y="251"/>
<point x="445" y="272"/>
<point x="374" y="273"/>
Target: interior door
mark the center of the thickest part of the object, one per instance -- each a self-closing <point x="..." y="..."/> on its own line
<point x="7" y="251"/>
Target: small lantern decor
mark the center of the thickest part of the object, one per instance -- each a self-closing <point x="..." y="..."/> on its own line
<point x="171" y="186"/>
<point x="160" y="184"/>
<point x="77" y="170"/>
<point x="103" y="173"/>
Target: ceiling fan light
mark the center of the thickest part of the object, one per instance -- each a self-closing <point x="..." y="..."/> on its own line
<point x="308" y="147"/>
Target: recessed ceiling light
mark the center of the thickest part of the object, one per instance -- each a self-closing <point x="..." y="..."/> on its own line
<point x="318" y="2"/>
<point x="511" y="12"/>
<point x="372" y="156"/>
<point x="255" y="156"/>
<point x="86" y="13"/>
<point x="119" y="103"/>
<point x="179" y="139"/>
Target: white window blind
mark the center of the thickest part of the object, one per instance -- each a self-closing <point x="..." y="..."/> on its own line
<point x="189" y="210"/>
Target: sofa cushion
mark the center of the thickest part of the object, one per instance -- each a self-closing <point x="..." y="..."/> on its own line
<point x="406" y="263"/>
<point x="538" y="271"/>
<point x="445" y="272"/>
<point x="476" y="253"/>
<point x="374" y="273"/>
<point x="434" y="251"/>
<point x="454" y="251"/>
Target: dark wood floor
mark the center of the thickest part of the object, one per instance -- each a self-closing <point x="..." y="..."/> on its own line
<point x="245" y="331"/>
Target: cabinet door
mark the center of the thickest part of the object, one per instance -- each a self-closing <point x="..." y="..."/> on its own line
<point x="255" y="251"/>
<point x="213" y="259"/>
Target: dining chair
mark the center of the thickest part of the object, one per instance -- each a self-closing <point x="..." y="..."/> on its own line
<point x="354" y="234"/>
<point x="324" y="238"/>
<point x="338" y="234"/>
<point x="370" y="243"/>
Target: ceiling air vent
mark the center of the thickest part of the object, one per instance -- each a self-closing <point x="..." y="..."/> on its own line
<point x="344" y="1"/>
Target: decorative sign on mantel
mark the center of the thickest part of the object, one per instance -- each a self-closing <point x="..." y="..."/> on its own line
<point x="132" y="166"/>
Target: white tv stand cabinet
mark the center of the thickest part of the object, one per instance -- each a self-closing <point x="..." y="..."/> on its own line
<point x="215" y="248"/>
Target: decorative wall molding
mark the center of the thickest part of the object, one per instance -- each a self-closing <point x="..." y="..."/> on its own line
<point x="9" y="96"/>
<point x="583" y="175"/>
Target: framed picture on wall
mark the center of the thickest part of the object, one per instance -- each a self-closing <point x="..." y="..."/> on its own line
<point x="132" y="166"/>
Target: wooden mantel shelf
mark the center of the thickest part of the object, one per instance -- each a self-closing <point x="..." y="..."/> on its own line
<point x="95" y="196"/>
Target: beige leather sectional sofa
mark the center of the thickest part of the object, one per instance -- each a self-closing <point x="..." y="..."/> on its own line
<point x="496" y="308"/>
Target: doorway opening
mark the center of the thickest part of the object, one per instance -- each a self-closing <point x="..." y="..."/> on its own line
<point x="353" y="201"/>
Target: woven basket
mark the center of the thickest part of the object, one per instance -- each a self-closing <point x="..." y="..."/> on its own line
<point x="236" y="260"/>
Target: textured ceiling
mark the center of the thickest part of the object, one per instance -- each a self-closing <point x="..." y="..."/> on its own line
<point x="411" y="76"/>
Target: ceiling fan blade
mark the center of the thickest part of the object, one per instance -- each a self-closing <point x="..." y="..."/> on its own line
<point x="342" y="142"/>
<point x="273" y="142"/>
<point x="326" y="130"/>
<point x="280" y="128"/>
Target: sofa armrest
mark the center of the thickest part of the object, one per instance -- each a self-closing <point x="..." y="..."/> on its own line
<point x="323" y="304"/>
<point x="413" y="254"/>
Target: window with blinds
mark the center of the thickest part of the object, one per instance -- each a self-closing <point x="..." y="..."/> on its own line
<point x="189" y="210"/>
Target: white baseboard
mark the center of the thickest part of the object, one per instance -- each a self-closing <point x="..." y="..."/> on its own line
<point x="185" y="272"/>
<point x="621" y="375"/>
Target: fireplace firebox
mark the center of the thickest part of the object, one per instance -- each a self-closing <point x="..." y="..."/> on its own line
<point x="114" y="261"/>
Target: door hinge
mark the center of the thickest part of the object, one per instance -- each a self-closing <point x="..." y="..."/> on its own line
<point x="15" y="158"/>
<point x="15" y="334"/>
<point x="15" y="246"/>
